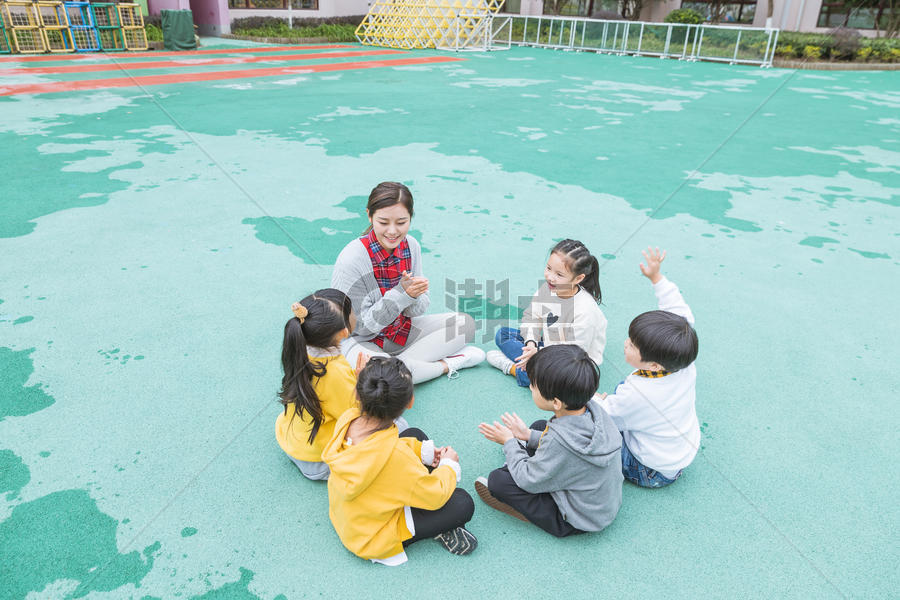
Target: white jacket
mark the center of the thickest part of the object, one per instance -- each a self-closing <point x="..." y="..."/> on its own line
<point x="577" y="320"/>
<point x="657" y="416"/>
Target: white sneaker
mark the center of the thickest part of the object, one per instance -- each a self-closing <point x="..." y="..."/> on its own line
<point x="469" y="356"/>
<point x="497" y="359"/>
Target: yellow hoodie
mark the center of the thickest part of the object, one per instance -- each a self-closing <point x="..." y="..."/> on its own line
<point x="372" y="481"/>
<point x="336" y="390"/>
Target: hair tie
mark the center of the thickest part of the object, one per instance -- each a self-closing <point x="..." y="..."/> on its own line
<point x="299" y="311"/>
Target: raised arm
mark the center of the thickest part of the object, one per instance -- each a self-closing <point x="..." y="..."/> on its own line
<point x="668" y="297"/>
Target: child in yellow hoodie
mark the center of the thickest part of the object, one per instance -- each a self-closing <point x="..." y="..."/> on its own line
<point x="385" y="491"/>
<point x="319" y="384"/>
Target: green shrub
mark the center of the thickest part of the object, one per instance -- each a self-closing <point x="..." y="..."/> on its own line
<point x="812" y="52"/>
<point x="846" y="43"/>
<point x="304" y="23"/>
<point x="785" y="50"/>
<point x="154" y="33"/>
<point x="843" y="46"/>
<point x="258" y="23"/>
<point x="684" y="15"/>
<point x="882" y="49"/>
<point x="278" y="28"/>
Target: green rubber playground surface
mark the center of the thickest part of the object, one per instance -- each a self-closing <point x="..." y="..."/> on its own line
<point x="153" y="239"/>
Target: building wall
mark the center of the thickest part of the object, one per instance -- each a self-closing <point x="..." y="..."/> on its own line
<point x="210" y="16"/>
<point x="157" y="5"/>
<point x="327" y="8"/>
<point x="532" y="7"/>
<point x="788" y="15"/>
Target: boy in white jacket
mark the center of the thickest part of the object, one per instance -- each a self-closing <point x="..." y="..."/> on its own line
<point x="654" y="407"/>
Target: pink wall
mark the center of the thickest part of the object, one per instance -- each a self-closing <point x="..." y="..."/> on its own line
<point x="210" y="16"/>
<point x="157" y="5"/>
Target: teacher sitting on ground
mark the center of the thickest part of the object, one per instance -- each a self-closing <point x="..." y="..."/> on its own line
<point x="381" y="272"/>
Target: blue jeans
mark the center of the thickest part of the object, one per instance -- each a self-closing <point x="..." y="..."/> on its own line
<point x="511" y="343"/>
<point x="640" y="475"/>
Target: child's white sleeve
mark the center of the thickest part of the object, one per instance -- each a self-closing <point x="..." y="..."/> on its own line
<point x="670" y="300"/>
<point x="622" y="405"/>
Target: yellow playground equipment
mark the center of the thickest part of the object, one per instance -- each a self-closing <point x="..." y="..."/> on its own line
<point x="133" y="33"/>
<point x="54" y="27"/>
<point x="38" y="26"/>
<point x="408" y="24"/>
<point x="24" y="27"/>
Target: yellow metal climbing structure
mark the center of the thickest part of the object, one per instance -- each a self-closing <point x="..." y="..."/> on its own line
<point x="24" y="25"/>
<point x="55" y="27"/>
<point x="133" y="32"/>
<point x="410" y="24"/>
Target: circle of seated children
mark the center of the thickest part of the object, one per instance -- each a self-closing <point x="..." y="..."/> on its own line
<point x="389" y="486"/>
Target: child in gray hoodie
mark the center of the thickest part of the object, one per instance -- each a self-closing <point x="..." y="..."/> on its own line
<point x="567" y="476"/>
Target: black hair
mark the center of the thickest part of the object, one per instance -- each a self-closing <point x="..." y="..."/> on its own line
<point x="665" y="338"/>
<point x="386" y="194"/>
<point x="581" y="262"/>
<point x="384" y="388"/>
<point x="328" y="312"/>
<point x="566" y="372"/>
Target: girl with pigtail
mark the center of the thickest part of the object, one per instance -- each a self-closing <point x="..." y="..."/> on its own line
<point x="318" y="384"/>
<point x="563" y="311"/>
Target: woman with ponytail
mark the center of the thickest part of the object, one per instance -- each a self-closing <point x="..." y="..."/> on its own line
<point x="319" y="384"/>
<point x="563" y="311"/>
<point x="382" y="273"/>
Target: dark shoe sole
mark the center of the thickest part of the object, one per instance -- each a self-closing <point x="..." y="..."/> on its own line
<point x="485" y="494"/>
<point x="459" y="541"/>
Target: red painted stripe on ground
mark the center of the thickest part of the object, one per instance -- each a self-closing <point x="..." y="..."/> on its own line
<point x="161" y="64"/>
<point x="91" y="55"/>
<point x="97" y="84"/>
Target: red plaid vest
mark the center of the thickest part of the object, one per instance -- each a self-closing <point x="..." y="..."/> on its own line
<point x="388" y="268"/>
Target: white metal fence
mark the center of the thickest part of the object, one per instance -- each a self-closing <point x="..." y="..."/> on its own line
<point x="722" y="43"/>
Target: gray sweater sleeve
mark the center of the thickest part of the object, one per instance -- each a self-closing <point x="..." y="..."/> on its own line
<point x="535" y="474"/>
<point x="353" y="275"/>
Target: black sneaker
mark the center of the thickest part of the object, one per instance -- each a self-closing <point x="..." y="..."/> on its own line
<point x="459" y="541"/>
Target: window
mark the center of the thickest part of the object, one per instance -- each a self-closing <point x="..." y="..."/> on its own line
<point x="275" y="4"/>
<point x="724" y="11"/>
<point x="858" y="14"/>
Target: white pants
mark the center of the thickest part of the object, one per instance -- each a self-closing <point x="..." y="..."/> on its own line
<point x="431" y="338"/>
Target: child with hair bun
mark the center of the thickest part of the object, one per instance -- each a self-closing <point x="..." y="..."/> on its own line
<point x="563" y="311"/>
<point x="318" y="384"/>
<point x="386" y="491"/>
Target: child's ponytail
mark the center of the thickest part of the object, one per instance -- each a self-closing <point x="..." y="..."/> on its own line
<point x="581" y="262"/>
<point x="317" y="320"/>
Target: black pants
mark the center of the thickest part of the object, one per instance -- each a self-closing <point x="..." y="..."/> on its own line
<point x="540" y="509"/>
<point x="455" y="513"/>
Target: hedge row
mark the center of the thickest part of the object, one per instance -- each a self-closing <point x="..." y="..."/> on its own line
<point x="264" y="22"/>
<point x="837" y="46"/>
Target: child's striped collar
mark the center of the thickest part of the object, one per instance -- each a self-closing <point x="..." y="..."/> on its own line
<point x="651" y="374"/>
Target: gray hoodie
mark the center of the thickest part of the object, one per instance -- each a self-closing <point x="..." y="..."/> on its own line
<point x="579" y="461"/>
